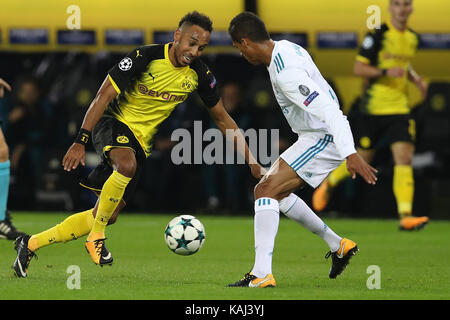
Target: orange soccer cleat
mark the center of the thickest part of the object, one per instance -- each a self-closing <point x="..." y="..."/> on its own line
<point x="250" y="280"/>
<point x="98" y="252"/>
<point x="341" y="257"/>
<point x="410" y="223"/>
<point x="321" y="196"/>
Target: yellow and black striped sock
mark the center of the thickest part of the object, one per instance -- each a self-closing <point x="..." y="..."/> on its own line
<point x="403" y="186"/>
<point x="74" y="227"/>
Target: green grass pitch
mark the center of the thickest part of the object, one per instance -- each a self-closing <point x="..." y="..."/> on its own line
<point x="413" y="265"/>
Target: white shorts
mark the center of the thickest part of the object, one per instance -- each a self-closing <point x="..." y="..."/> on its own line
<point x="313" y="156"/>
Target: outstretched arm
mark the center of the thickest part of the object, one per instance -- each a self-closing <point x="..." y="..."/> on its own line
<point x="225" y="123"/>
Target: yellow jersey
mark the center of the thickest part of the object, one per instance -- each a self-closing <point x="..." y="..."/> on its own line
<point x="149" y="88"/>
<point x="385" y="48"/>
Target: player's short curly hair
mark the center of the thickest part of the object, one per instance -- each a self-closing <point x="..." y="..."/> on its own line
<point x="198" y="19"/>
<point x="248" y="25"/>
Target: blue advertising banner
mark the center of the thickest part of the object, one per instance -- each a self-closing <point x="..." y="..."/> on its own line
<point x="124" y="37"/>
<point x="218" y="38"/>
<point x="161" y="37"/>
<point x="28" y="36"/>
<point x="299" y="38"/>
<point x="77" y="37"/>
<point x="434" y="41"/>
<point x="337" y="40"/>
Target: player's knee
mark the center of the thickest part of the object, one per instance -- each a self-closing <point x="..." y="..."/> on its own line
<point x="404" y="159"/>
<point x="124" y="161"/>
<point x="264" y="189"/>
<point x="402" y="153"/>
<point x="127" y="168"/>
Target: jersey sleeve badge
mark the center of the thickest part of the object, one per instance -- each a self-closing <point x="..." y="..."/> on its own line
<point x="125" y="64"/>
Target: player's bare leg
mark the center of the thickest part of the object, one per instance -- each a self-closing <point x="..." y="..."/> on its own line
<point x="403" y="186"/>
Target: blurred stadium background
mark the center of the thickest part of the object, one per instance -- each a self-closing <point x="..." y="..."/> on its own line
<point x="59" y="71"/>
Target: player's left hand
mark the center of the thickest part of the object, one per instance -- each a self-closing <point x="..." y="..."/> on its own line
<point x="74" y="156"/>
<point x="257" y="171"/>
<point x="356" y="164"/>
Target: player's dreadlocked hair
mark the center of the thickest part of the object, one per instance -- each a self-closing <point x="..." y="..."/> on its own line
<point x="198" y="19"/>
<point x="248" y="25"/>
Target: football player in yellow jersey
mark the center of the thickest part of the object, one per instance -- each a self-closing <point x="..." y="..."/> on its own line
<point x="136" y="96"/>
<point x="384" y="62"/>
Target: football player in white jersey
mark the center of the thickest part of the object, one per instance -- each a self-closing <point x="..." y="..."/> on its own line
<point x="325" y="141"/>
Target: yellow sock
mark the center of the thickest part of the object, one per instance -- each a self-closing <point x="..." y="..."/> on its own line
<point x="112" y="193"/>
<point x="403" y="186"/>
<point x="339" y="174"/>
<point x="74" y="227"/>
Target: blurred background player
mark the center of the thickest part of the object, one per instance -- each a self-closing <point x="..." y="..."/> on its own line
<point x="384" y="62"/>
<point x="136" y="96"/>
<point x="7" y="229"/>
<point x="324" y="141"/>
<point x="30" y="110"/>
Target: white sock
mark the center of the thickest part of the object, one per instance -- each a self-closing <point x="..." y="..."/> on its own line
<point x="267" y="218"/>
<point x="296" y="209"/>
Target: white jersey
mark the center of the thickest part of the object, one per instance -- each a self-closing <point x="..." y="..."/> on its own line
<point x="306" y="99"/>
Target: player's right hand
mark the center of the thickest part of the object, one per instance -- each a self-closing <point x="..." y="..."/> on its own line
<point x="74" y="156"/>
<point x="356" y="164"/>
<point x="395" y="72"/>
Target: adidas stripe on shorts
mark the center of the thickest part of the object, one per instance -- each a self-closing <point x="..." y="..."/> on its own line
<point x="313" y="156"/>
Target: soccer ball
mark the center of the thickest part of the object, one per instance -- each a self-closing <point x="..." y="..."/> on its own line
<point x="184" y="235"/>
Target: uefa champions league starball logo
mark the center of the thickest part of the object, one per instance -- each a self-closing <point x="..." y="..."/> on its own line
<point x="125" y="64"/>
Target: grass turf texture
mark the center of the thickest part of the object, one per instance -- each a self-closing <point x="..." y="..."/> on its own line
<point x="414" y="265"/>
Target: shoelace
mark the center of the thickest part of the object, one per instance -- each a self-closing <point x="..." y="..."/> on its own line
<point x="30" y="256"/>
<point x="328" y="254"/>
<point x="246" y="277"/>
<point x="97" y="246"/>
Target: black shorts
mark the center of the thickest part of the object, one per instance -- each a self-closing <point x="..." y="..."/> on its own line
<point x="370" y="130"/>
<point x="110" y="133"/>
